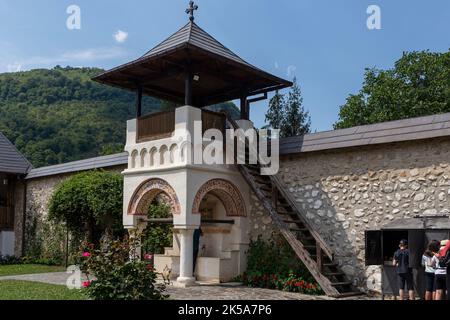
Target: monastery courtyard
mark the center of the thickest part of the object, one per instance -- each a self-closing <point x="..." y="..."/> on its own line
<point x="227" y="291"/>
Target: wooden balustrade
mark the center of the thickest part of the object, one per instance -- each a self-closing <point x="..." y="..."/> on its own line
<point x="161" y="125"/>
<point x="213" y="120"/>
<point x="155" y="126"/>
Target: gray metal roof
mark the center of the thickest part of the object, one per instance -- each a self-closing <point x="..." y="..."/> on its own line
<point x="192" y="34"/>
<point x="114" y="160"/>
<point x="386" y="132"/>
<point x="11" y="160"/>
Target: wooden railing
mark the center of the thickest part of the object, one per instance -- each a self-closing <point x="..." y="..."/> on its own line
<point x="213" y="120"/>
<point x="155" y="126"/>
<point x="6" y="218"/>
<point x="162" y="124"/>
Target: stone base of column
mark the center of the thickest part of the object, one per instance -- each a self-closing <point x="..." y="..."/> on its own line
<point x="183" y="282"/>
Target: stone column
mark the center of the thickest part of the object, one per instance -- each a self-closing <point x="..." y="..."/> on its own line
<point x="186" y="277"/>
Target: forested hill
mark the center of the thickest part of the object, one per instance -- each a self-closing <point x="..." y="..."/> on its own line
<point x="60" y="115"/>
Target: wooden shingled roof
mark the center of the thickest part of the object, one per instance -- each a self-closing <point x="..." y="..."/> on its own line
<point x="221" y="74"/>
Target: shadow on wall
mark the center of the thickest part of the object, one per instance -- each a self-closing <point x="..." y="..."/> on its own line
<point x="344" y="193"/>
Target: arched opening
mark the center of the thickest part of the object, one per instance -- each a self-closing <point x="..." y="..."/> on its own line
<point x="226" y="192"/>
<point x="156" y="201"/>
<point x="147" y="192"/>
<point x="222" y="209"/>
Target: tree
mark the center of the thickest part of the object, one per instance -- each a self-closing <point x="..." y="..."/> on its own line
<point x="296" y="120"/>
<point x="275" y="114"/>
<point x="156" y="236"/>
<point x="418" y="85"/>
<point x="89" y="202"/>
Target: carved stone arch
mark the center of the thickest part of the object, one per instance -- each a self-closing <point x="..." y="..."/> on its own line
<point x="186" y="152"/>
<point x="174" y="153"/>
<point x="147" y="192"/>
<point x="153" y="155"/>
<point x="163" y="155"/>
<point x="142" y="157"/>
<point x="133" y="156"/>
<point x="226" y="192"/>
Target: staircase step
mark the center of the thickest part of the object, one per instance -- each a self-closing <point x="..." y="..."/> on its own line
<point x="345" y="283"/>
<point x="350" y="294"/>
<point x="261" y="180"/>
<point x="252" y="167"/>
<point x="298" y="229"/>
<point x="330" y="264"/>
<point x="292" y="221"/>
<point x="333" y="274"/>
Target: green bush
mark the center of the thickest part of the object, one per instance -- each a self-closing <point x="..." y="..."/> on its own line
<point x="274" y="265"/>
<point x="116" y="277"/>
<point x="156" y="237"/>
<point x="89" y="203"/>
<point x="5" y="260"/>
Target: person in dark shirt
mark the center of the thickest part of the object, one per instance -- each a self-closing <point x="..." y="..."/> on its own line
<point x="404" y="271"/>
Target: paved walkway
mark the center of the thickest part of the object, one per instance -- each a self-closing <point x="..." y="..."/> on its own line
<point x="201" y="292"/>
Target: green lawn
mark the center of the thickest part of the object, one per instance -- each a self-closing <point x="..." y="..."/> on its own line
<point x="16" y="269"/>
<point x="26" y="290"/>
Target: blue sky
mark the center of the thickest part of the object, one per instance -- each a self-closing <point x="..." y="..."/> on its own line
<point x="325" y="43"/>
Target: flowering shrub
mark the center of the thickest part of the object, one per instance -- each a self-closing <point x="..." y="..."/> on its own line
<point x="113" y="276"/>
<point x="274" y="265"/>
<point x="290" y="283"/>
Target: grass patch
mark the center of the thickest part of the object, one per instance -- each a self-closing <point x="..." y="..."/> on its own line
<point x="17" y="269"/>
<point x="26" y="290"/>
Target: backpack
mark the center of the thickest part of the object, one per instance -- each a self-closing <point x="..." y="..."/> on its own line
<point x="446" y="260"/>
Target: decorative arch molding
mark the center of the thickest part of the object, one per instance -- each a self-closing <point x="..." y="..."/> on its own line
<point x="227" y="193"/>
<point x="147" y="192"/>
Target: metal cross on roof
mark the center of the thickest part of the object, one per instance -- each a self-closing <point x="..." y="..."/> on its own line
<point x="191" y="9"/>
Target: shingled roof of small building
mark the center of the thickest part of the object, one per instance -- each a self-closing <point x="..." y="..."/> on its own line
<point x="11" y="160"/>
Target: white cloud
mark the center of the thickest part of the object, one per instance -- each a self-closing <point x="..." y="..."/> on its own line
<point x="92" y="54"/>
<point x="74" y="57"/>
<point x="14" y="67"/>
<point x="277" y="66"/>
<point x="291" y="71"/>
<point x="121" y="36"/>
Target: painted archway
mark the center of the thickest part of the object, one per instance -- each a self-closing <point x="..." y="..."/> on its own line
<point x="147" y="192"/>
<point x="226" y="192"/>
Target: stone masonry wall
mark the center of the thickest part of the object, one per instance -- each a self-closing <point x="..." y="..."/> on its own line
<point x="39" y="192"/>
<point x="345" y="192"/>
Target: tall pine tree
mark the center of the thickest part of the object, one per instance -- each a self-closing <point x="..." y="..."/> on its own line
<point x="297" y="120"/>
<point x="274" y="116"/>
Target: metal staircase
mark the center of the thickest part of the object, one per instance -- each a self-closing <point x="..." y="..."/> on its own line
<point x="304" y="240"/>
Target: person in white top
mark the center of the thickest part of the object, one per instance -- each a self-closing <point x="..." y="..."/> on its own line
<point x="427" y="258"/>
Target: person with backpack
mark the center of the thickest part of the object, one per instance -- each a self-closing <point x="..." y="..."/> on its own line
<point x="446" y="253"/>
<point x="427" y="258"/>
<point x="404" y="271"/>
<point x="440" y="265"/>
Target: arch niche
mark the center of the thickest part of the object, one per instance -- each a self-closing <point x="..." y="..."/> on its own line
<point x="149" y="191"/>
<point x="226" y="192"/>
